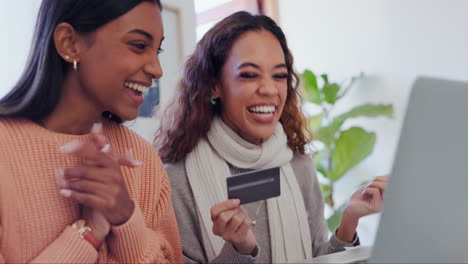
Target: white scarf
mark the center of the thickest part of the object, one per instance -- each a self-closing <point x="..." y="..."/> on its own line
<point x="207" y="170"/>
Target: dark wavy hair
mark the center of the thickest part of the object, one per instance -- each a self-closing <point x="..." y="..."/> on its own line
<point x="37" y="92"/>
<point x="188" y="117"/>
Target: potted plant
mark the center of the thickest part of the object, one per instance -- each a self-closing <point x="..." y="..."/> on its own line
<point x="339" y="149"/>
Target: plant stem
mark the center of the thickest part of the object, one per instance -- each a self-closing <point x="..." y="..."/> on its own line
<point x="332" y="202"/>
<point x="329" y="200"/>
<point x="325" y="114"/>
<point x="332" y="183"/>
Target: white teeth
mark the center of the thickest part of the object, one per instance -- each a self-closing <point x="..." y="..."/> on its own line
<point x="136" y="86"/>
<point x="264" y="114"/>
<point x="264" y="109"/>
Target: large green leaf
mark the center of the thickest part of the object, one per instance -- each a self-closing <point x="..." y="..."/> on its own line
<point x="320" y="168"/>
<point x="353" y="146"/>
<point x="328" y="134"/>
<point x="330" y="90"/>
<point x="325" y="191"/>
<point x="369" y="110"/>
<point x="315" y="122"/>
<point x="324" y="78"/>
<point x="334" y="220"/>
<point x="320" y="161"/>
<point x="311" y="88"/>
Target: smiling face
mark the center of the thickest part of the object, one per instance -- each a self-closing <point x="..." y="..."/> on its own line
<point x="253" y="88"/>
<point x="119" y="60"/>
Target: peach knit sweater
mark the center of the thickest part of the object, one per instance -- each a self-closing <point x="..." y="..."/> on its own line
<point x="35" y="219"/>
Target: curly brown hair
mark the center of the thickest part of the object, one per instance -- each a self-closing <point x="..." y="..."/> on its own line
<point x="187" y="118"/>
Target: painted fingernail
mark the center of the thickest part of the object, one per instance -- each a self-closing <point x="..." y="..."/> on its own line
<point x="136" y="162"/>
<point x="101" y="138"/>
<point x="63" y="183"/>
<point x="97" y="128"/>
<point x="70" y="147"/>
<point x="65" y="192"/>
<point x="60" y="173"/>
<point x="130" y="157"/>
<point x="129" y="154"/>
<point x="60" y="176"/>
<point x="106" y="148"/>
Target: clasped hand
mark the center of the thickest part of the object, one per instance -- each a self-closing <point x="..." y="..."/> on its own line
<point x="232" y="222"/>
<point x="98" y="184"/>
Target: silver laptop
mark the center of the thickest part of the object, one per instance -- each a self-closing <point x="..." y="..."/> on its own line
<point x="425" y="212"/>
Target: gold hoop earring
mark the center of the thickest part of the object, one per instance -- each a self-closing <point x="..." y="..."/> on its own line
<point x="75" y="65"/>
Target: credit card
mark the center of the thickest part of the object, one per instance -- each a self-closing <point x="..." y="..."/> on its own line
<point x="254" y="185"/>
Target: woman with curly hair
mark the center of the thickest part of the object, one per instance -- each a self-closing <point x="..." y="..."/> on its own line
<point x="236" y="109"/>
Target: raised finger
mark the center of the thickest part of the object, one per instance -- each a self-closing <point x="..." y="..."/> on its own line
<point x="223" y="206"/>
<point x="99" y="139"/>
<point x="85" y="173"/>
<point x="376" y="201"/>
<point x="221" y="222"/>
<point x="381" y="179"/>
<point x="235" y="223"/>
<point x="88" y="151"/>
<point x="86" y="199"/>
<point x="128" y="159"/>
<point x="379" y="185"/>
<point x="243" y="210"/>
<point x="94" y="157"/>
<point x="241" y="232"/>
<point x="103" y="144"/>
<point x="85" y="186"/>
<point x="370" y="194"/>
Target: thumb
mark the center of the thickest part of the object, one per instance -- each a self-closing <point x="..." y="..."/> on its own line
<point x="100" y="141"/>
<point x="128" y="159"/>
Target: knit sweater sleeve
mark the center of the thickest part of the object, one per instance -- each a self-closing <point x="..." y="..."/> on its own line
<point x="154" y="239"/>
<point x="192" y="245"/>
<point x="304" y="170"/>
<point x="68" y="247"/>
<point x="2" y="259"/>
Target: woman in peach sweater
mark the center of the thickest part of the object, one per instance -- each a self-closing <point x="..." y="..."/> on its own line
<point x="71" y="188"/>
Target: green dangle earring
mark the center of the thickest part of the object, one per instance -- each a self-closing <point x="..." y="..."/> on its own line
<point x="213" y="100"/>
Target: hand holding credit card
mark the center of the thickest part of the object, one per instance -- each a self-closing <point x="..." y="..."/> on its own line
<point x="254" y="185"/>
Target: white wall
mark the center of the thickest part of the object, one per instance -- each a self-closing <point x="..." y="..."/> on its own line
<point x="180" y="40"/>
<point x="392" y="42"/>
<point x="17" y="20"/>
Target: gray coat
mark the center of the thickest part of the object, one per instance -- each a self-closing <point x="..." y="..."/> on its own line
<point x="189" y="226"/>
